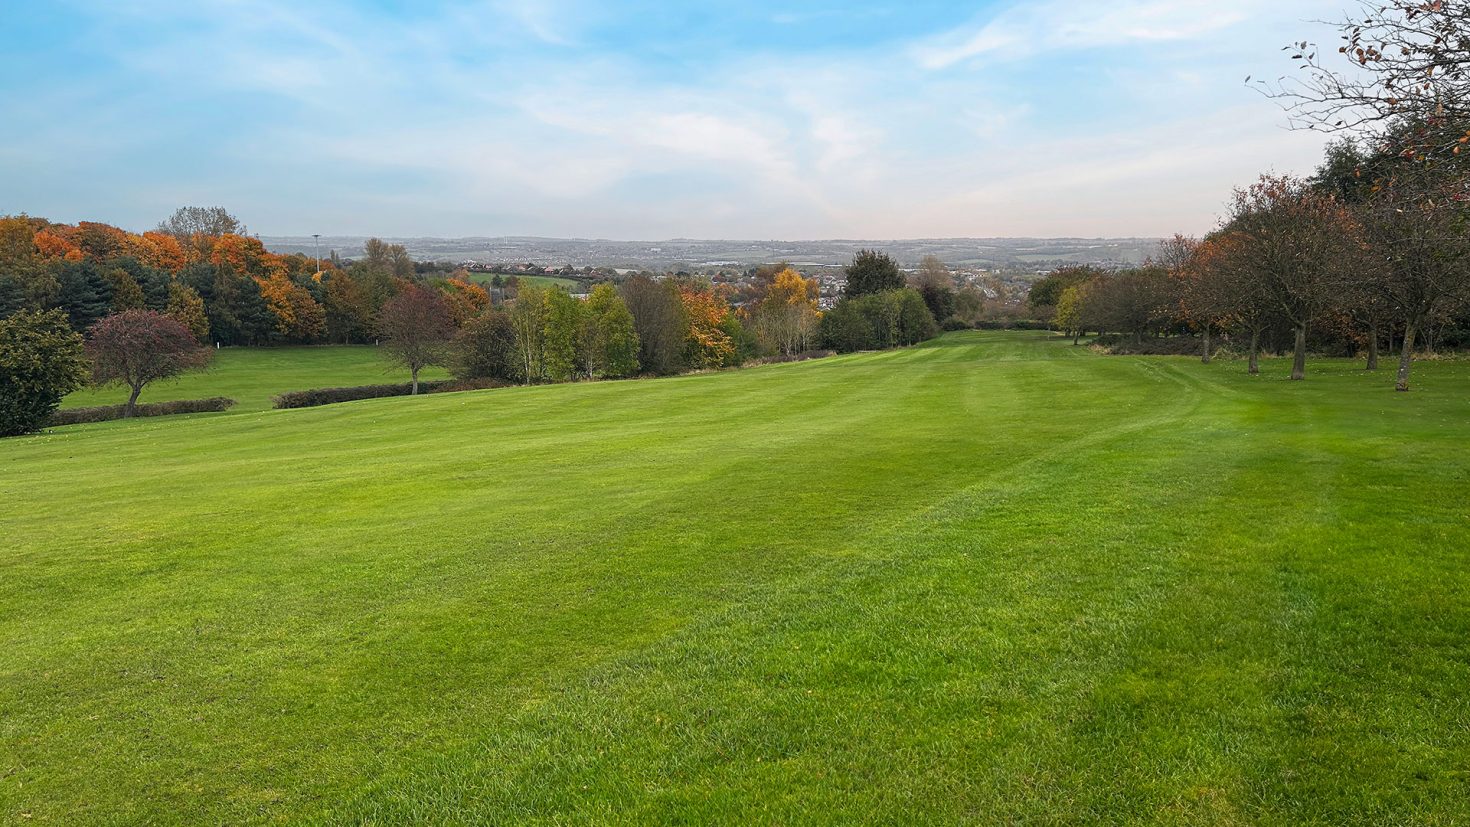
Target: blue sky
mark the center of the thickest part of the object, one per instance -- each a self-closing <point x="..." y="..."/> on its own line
<point x="645" y="120"/>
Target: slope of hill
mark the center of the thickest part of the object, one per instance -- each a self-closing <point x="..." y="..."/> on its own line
<point x="991" y="577"/>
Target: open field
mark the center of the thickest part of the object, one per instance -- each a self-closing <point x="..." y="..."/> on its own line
<point x="535" y="281"/>
<point x="251" y="376"/>
<point x="993" y="578"/>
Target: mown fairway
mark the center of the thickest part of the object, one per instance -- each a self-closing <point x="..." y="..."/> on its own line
<point x="994" y="578"/>
<point x="251" y="376"/>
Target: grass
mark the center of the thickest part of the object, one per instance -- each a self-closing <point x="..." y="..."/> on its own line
<point x="991" y="579"/>
<point x="251" y="376"/>
<point x="535" y="281"/>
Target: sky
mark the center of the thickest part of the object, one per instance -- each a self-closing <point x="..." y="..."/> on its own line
<point x="648" y="120"/>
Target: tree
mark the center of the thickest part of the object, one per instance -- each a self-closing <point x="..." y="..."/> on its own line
<point x="1228" y="268"/>
<point x="41" y="360"/>
<point x="188" y="222"/>
<point x="932" y="273"/>
<point x="1422" y="263"/>
<point x="610" y="339"/>
<point x="1135" y="301"/>
<point x="82" y="293"/>
<point x="785" y="319"/>
<point x="1047" y="291"/>
<point x="136" y="347"/>
<point x="347" y="307"/>
<point x="872" y="272"/>
<point x="1199" y="303"/>
<point x="1300" y="246"/>
<point x="388" y="258"/>
<point x="1405" y="60"/>
<point x="660" y="320"/>
<point x="528" y="324"/>
<point x="1068" y="318"/>
<point x="187" y="308"/>
<point x="708" y="344"/>
<point x="485" y="348"/>
<point x="563" y="335"/>
<point x="416" y="329"/>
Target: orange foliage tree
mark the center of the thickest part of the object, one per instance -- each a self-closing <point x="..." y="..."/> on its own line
<point x="708" y="344"/>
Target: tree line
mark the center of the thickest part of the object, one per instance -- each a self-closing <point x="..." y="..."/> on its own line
<point x="1370" y="251"/>
<point x="94" y="303"/>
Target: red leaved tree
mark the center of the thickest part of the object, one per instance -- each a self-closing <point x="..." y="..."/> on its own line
<point x="136" y="347"/>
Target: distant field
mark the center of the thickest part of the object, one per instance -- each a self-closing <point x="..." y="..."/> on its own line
<point x="251" y="376"/>
<point x="537" y="281"/>
<point x="992" y="579"/>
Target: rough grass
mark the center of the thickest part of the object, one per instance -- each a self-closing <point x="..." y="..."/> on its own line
<point x="251" y="376"/>
<point x="991" y="579"/>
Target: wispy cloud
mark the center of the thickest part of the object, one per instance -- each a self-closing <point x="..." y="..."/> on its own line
<point x="563" y="117"/>
<point x="1029" y="28"/>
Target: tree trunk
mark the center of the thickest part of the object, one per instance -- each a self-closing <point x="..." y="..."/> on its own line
<point x="132" y="406"/>
<point x="1372" y="348"/>
<point x="1255" y="359"/>
<point x="1076" y="337"/>
<point x="1204" y="357"/>
<point x="1299" y="354"/>
<point x="415" y="370"/>
<point x="1406" y="358"/>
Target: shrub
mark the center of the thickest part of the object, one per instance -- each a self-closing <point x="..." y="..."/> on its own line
<point x="40" y="362"/>
<point x="876" y="321"/>
<point x="330" y="396"/>
<point x="954" y="323"/>
<point x="105" y="413"/>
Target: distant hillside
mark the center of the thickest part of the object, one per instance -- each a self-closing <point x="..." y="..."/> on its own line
<point x="998" y="253"/>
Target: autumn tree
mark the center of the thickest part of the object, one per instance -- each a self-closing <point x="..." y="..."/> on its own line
<point x="785" y="320"/>
<point x="187" y="308"/>
<point x="1300" y="245"/>
<point x="136" y="347"/>
<point x="708" y="344"/>
<point x="41" y="360"/>
<point x="1136" y="301"/>
<point x="1422" y="263"/>
<point x="416" y="329"/>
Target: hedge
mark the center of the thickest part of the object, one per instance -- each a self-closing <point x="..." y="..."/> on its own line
<point x="330" y="396"/>
<point x="106" y="413"/>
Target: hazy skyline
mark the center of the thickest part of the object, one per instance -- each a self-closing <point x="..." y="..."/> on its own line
<point x="649" y="121"/>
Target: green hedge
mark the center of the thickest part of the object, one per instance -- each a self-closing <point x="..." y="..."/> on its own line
<point x="330" y="396"/>
<point x="105" y="413"/>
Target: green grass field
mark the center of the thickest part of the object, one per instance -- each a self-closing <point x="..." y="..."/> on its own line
<point x="536" y="281"/>
<point x="990" y="579"/>
<point x="251" y="376"/>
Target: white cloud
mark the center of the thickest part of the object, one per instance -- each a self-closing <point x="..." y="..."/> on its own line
<point x="1029" y="28"/>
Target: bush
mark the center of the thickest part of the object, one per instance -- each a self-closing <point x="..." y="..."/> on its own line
<point x="876" y="321"/>
<point x="954" y="323"/>
<point x="792" y="357"/>
<point x="106" y="413"/>
<point x="331" y="396"/>
<point x="40" y="362"/>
